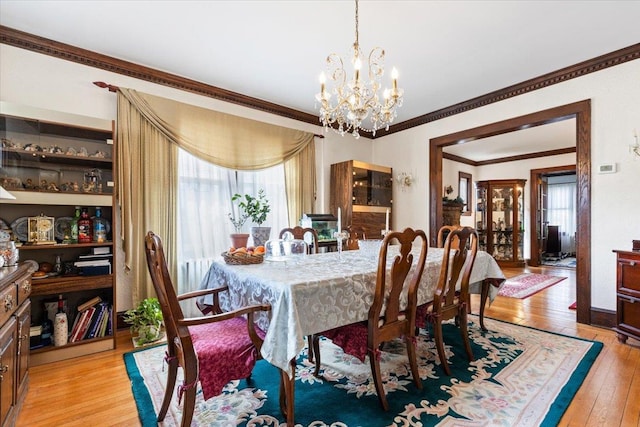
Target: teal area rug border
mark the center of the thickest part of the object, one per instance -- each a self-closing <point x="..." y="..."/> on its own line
<point x="146" y="413"/>
<point x="148" y="417"/>
<point x="565" y="396"/>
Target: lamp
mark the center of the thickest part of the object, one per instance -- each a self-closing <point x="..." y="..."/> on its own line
<point x="404" y="180"/>
<point x="4" y="194"/>
<point x="358" y="99"/>
<point x="635" y="149"/>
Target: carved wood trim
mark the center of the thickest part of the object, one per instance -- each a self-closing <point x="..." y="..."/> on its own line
<point x="67" y="52"/>
<point x="508" y="159"/>
<point x="581" y="110"/>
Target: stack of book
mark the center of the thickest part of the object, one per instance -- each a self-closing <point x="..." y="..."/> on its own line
<point x="98" y="262"/>
<point x="94" y="320"/>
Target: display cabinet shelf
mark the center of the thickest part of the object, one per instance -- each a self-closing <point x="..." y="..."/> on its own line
<point x="51" y="167"/>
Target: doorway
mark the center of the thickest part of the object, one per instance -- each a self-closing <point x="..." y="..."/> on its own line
<point x="549" y="246"/>
<point x="581" y="111"/>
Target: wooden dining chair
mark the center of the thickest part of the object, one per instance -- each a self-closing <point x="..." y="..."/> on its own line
<point x="449" y="303"/>
<point x="353" y="235"/>
<point x="365" y="338"/>
<point x="212" y="349"/>
<point x="443" y="232"/>
<point x="300" y="233"/>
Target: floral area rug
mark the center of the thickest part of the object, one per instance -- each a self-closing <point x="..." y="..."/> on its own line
<point x="527" y="284"/>
<point x="521" y="376"/>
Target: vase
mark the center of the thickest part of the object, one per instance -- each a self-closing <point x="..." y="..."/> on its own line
<point x="239" y="240"/>
<point x="260" y="235"/>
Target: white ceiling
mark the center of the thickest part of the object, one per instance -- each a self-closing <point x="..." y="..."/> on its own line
<point x="446" y="51"/>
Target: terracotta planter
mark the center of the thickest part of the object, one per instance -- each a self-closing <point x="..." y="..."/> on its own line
<point x="239" y="240"/>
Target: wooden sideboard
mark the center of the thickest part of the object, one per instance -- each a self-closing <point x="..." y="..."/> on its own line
<point x="15" y="321"/>
<point x="627" y="294"/>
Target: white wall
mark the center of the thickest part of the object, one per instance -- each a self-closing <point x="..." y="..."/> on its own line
<point x="615" y="198"/>
<point x="41" y="81"/>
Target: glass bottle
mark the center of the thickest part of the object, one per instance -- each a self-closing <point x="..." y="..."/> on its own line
<point x="47" y="328"/>
<point x="85" y="227"/>
<point x="61" y="327"/>
<point x="74" y="226"/>
<point x="99" y="227"/>
<point x="57" y="267"/>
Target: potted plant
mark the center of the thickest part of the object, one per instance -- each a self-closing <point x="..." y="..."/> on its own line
<point x="238" y="239"/>
<point x="257" y="209"/>
<point x="145" y="321"/>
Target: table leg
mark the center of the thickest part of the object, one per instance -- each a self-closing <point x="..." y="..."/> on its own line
<point x="287" y="386"/>
<point x="483" y="301"/>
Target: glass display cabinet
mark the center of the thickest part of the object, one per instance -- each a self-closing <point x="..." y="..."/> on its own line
<point x="500" y="220"/>
<point x="364" y="193"/>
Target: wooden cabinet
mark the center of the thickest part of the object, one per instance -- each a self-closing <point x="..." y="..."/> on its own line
<point x="500" y="220"/>
<point x="15" y="289"/>
<point x="364" y="193"/>
<point x="628" y="294"/>
<point x="51" y="168"/>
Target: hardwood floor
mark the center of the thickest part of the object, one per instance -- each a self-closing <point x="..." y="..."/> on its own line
<point x="95" y="390"/>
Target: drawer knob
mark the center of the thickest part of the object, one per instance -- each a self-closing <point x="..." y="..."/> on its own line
<point x="632" y="263"/>
<point x="8" y="303"/>
<point x="4" y="368"/>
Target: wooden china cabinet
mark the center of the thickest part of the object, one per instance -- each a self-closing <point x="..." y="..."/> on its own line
<point x="500" y="220"/>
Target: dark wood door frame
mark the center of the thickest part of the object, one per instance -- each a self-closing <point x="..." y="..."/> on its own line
<point x="536" y="175"/>
<point x="581" y="111"/>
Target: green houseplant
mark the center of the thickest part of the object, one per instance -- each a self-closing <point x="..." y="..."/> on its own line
<point x="145" y="321"/>
<point x="257" y="209"/>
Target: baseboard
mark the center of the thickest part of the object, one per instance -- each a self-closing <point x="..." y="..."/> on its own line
<point x="603" y="318"/>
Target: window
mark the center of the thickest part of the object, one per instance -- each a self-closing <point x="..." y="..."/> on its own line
<point x="464" y="191"/>
<point x="204" y="202"/>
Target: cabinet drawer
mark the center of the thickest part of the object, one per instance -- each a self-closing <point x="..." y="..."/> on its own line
<point x="629" y="277"/>
<point x="8" y="303"/>
<point x="629" y="314"/>
<point x="24" y="288"/>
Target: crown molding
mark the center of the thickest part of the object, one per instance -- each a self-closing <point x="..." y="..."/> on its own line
<point x="455" y="158"/>
<point x="67" y="52"/>
<point x="578" y="70"/>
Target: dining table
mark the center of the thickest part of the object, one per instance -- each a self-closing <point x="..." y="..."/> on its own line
<point x="317" y="292"/>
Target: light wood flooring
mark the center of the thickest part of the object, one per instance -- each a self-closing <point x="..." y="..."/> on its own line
<point x="95" y="390"/>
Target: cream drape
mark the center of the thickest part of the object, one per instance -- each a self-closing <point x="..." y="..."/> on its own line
<point x="149" y="131"/>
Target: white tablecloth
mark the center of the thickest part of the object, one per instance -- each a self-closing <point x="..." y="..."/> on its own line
<point x="319" y="292"/>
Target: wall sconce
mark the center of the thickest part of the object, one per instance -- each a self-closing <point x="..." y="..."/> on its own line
<point x="404" y="180"/>
<point x="635" y="149"/>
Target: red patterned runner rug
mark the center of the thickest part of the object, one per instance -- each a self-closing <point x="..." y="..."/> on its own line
<point x="527" y="284"/>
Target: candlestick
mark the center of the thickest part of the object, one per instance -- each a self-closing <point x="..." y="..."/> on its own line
<point x="386" y="227"/>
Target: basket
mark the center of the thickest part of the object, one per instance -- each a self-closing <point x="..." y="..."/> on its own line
<point x="242" y="259"/>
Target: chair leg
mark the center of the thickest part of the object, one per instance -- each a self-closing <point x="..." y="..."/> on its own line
<point x="172" y="371"/>
<point x="311" y="349"/>
<point x="413" y="361"/>
<point x="316" y="351"/>
<point x="377" y="379"/>
<point x="287" y="387"/>
<point x="189" y="405"/>
<point x="465" y="333"/>
<point x="437" y="336"/>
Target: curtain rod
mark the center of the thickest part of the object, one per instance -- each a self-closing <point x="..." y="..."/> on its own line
<point x="113" y="88"/>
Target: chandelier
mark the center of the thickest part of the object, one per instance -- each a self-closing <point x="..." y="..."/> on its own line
<point x="349" y="103"/>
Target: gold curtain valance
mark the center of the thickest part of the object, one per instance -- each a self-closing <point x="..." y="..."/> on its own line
<point x="223" y="139"/>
